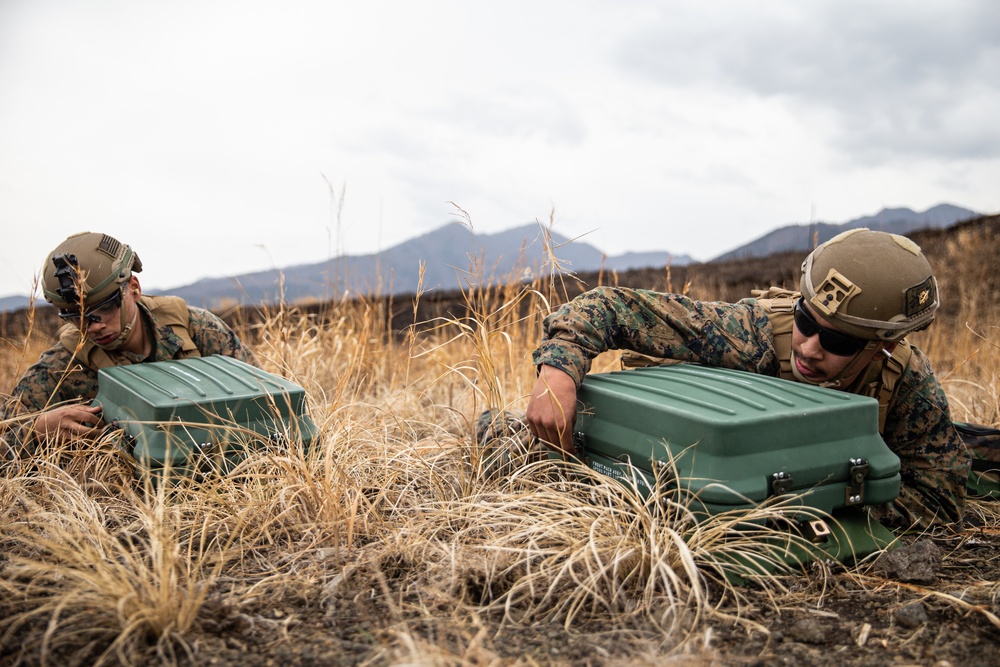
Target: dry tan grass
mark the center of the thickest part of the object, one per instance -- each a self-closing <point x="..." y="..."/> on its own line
<point x="391" y="511"/>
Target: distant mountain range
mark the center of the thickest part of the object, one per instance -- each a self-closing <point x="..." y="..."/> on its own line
<point x="805" y="237"/>
<point x="449" y="257"/>
<point x="453" y="256"/>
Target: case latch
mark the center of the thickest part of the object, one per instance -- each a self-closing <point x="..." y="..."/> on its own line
<point x="781" y="483"/>
<point x="854" y="494"/>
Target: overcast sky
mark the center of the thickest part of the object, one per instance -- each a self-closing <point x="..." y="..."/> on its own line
<point x="220" y="136"/>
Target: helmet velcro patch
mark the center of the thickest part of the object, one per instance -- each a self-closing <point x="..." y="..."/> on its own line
<point x="110" y="246"/>
<point x="921" y="297"/>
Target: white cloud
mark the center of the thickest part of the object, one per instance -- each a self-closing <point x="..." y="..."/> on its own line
<point x="204" y="133"/>
<point x="918" y="79"/>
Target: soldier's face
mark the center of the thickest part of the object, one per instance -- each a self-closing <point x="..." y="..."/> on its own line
<point x="106" y="331"/>
<point x="817" y="364"/>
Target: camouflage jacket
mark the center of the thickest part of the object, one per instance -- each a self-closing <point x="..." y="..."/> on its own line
<point x="58" y="377"/>
<point x="918" y="427"/>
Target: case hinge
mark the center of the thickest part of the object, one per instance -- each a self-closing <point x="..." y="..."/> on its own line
<point x="854" y="494"/>
<point x="781" y="482"/>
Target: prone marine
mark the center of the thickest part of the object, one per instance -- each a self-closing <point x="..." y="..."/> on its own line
<point x="845" y="328"/>
<point x="90" y="278"/>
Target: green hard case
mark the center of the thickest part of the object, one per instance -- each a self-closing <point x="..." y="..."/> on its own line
<point x="178" y="414"/>
<point x="735" y="439"/>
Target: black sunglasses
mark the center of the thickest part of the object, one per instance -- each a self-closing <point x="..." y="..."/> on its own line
<point x="100" y="312"/>
<point x="832" y="341"/>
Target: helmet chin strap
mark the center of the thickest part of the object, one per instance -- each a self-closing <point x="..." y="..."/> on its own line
<point x="126" y="329"/>
<point x="836" y="381"/>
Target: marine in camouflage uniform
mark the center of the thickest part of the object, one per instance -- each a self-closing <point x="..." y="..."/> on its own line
<point x="918" y="428"/>
<point x="914" y="422"/>
<point x="59" y="377"/>
<point x="101" y="335"/>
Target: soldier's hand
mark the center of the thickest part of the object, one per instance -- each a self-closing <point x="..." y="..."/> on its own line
<point x="69" y="421"/>
<point x="552" y="408"/>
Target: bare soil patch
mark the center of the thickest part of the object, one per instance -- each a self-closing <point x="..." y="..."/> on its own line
<point x="936" y="604"/>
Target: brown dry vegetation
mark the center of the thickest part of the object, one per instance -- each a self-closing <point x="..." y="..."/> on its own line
<point x="387" y="544"/>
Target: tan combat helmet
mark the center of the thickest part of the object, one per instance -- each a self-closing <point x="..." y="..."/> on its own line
<point x="871" y="285"/>
<point x="85" y="270"/>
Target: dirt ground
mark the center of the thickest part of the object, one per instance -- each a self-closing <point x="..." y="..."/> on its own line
<point x="894" y="616"/>
<point x="931" y="601"/>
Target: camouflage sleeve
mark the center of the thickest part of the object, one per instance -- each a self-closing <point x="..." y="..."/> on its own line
<point x="213" y="336"/>
<point x="672" y="326"/>
<point x="53" y="380"/>
<point x="14" y="432"/>
<point x="934" y="464"/>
